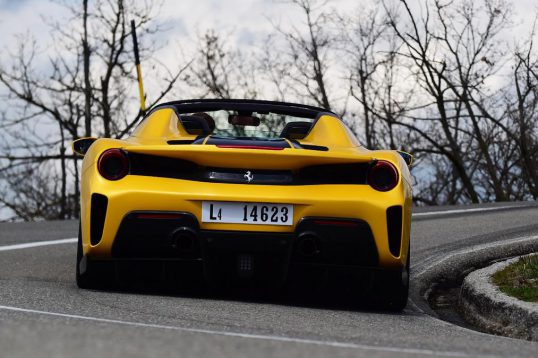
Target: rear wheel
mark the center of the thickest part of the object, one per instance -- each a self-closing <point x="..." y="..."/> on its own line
<point x="84" y="276"/>
<point x="394" y="288"/>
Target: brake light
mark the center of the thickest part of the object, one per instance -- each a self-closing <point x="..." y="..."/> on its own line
<point x="383" y="176"/>
<point x="113" y="164"/>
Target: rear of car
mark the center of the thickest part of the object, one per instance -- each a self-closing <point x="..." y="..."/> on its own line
<point x="258" y="194"/>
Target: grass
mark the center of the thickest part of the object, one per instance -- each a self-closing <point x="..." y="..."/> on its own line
<point x="520" y="279"/>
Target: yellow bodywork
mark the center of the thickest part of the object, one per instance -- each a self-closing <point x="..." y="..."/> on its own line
<point x="134" y="192"/>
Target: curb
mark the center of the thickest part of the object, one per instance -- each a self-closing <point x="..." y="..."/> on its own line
<point x="454" y="265"/>
<point x="485" y="306"/>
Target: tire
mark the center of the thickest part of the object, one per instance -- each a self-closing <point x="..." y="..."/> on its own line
<point x="394" y="288"/>
<point x="84" y="280"/>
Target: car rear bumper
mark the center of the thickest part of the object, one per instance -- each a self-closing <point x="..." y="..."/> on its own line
<point x="354" y="203"/>
<point x="165" y="247"/>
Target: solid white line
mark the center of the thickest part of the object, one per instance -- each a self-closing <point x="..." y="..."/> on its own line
<point x="430" y="213"/>
<point x="461" y="211"/>
<point x="246" y="335"/>
<point x="37" y="244"/>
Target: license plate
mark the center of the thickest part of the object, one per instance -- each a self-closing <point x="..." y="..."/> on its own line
<point x="247" y="213"/>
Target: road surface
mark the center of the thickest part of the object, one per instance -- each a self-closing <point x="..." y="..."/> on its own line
<point x="43" y="313"/>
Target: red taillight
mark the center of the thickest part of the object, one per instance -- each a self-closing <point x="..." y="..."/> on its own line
<point x="383" y="176"/>
<point x="113" y="164"/>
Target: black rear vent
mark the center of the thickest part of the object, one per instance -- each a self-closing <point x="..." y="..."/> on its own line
<point x="151" y="165"/>
<point x="394" y="228"/>
<point x="225" y="141"/>
<point x="97" y="218"/>
<point x="315" y="147"/>
<point x="180" y="141"/>
<point x="355" y="173"/>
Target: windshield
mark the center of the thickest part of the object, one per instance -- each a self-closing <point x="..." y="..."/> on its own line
<point x="251" y="125"/>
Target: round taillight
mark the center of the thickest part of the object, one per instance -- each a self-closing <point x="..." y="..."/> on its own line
<point x="383" y="176"/>
<point x="113" y="164"/>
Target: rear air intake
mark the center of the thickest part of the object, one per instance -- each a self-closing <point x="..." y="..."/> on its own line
<point x="394" y="229"/>
<point x="97" y="218"/>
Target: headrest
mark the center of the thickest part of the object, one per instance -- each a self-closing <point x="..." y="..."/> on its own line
<point x="296" y="130"/>
<point x="195" y="125"/>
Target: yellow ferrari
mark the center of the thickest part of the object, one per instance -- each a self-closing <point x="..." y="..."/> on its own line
<point x="245" y="193"/>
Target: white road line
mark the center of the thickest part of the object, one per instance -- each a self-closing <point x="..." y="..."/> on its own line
<point x="246" y="335"/>
<point x="37" y="244"/>
<point x="461" y="211"/>
<point x="431" y="213"/>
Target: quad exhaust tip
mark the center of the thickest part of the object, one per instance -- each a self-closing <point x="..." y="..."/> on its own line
<point x="308" y="244"/>
<point x="184" y="240"/>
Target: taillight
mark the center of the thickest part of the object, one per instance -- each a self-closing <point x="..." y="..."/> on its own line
<point x="113" y="164"/>
<point x="383" y="176"/>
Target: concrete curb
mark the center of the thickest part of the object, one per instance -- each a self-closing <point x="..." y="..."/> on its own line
<point x="454" y="265"/>
<point x="485" y="306"/>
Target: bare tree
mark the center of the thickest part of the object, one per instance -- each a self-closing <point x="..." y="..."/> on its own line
<point x="220" y="71"/>
<point x="89" y="74"/>
<point x="307" y="53"/>
<point x="454" y="48"/>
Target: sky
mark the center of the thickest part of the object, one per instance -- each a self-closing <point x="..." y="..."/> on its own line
<point x="248" y="19"/>
<point x="245" y="23"/>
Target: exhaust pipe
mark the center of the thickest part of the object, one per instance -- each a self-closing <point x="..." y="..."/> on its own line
<point x="184" y="240"/>
<point x="308" y="244"/>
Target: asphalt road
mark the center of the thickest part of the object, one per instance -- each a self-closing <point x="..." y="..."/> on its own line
<point x="43" y="313"/>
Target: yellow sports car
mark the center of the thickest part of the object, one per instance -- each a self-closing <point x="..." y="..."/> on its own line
<point x="245" y="193"/>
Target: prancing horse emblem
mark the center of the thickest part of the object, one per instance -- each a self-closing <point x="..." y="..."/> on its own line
<point x="248" y="176"/>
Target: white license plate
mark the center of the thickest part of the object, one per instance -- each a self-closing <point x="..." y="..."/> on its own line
<point x="247" y="213"/>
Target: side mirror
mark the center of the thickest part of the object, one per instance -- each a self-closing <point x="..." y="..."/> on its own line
<point x="408" y="158"/>
<point x="81" y="145"/>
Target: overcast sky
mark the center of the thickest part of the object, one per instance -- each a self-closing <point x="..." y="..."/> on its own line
<point x="245" y="22"/>
<point x="248" y="19"/>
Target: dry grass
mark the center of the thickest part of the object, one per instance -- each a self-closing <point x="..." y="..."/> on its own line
<point x="520" y="279"/>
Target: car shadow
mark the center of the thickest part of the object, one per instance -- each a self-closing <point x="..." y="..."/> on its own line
<point x="329" y="297"/>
